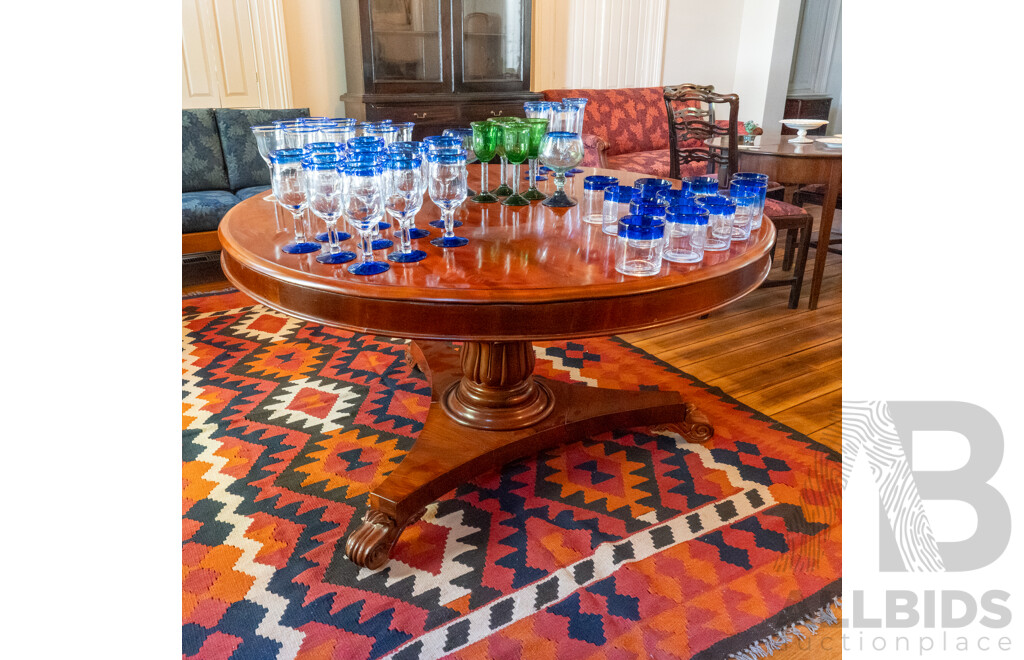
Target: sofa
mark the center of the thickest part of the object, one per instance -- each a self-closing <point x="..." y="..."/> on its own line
<point x="626" y="129"/>
<point x="220" y="167"/>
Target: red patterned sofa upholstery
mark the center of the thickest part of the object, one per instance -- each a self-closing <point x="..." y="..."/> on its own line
<point x="626" y="129"/>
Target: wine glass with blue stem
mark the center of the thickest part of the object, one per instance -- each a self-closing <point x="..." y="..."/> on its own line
<point x="289" y="185"/>
<point x="363" y="207"/>
<point x="325" y="188"/>
<point x="419" y="150"/>
<point x="561" y="151"/>
<point x="338" y="150"/>
<point x="403" y="198"/>
<point x="437" y="143"/>
<point x="466" y="135"/>
<point x="447" y="189"/>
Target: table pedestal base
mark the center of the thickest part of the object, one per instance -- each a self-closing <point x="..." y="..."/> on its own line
<point x="487" y="409"/>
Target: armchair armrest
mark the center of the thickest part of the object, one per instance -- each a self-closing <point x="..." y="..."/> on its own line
<point x="595" y="151"/>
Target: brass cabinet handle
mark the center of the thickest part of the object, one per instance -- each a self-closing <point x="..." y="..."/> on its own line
<point x="497" y="114"/>
<point x="418" y="115"/>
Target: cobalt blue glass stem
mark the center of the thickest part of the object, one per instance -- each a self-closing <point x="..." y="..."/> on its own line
<point x="406" y="254"/>
<point x="300" y="245"/>
<point x="366" y="265"/>
<point x="449" y="239"/>
<point x="335" y="255"/>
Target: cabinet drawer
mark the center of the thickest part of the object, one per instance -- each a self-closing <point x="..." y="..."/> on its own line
<point x="425" y="114"/>
<point x="484" y="111"/>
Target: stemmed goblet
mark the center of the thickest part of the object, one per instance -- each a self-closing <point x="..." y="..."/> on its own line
<point x="419" y="151"/>
<point x="503" y="189"/>
<point x="517" y="145"/>
<point x="439" y="143"/>
<point x="363" y="207"/>
<point x="373" y="146"/>
<point x="266" y="141"/>
<point x="580" y="105"/>
<point x="538" y="128"/>
<point x="325" y="187"/>
<point x="485" y="143"/>
<point x="447" y="188"/>
<point x="403" y="198"/>
<point x="466" y="135"/>
<point x="289" y="187"/>
<point x="561" y="151"/>
<point x="336" y="149"/>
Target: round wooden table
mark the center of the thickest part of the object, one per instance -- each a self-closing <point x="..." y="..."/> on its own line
<point x="528" y="274"/>
<point x="797" y="164"/>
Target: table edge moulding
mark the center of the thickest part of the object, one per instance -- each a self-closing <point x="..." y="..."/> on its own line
<point x="487" y="407"/>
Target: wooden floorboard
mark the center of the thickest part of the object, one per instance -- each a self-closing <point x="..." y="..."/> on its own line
<point x="786" y="363"/>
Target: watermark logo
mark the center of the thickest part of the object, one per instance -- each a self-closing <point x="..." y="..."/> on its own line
<point x="881" y="433"/>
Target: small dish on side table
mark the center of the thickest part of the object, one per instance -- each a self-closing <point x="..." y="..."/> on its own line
<point x="802" y="126"/>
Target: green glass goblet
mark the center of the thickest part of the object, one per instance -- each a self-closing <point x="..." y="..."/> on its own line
<point x="517" y="146"/>
<point x="485" y="144"/>
<point x="538" y="128"/>
<point x="503" y="189"/>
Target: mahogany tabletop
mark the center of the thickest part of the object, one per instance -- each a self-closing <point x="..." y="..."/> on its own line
<point x="527" y="273"/>
<point x="781" y="146"/>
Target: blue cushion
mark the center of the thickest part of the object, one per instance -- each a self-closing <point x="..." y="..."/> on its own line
<point x="245" y="166"/>
<point x="202" y="211"/>
<point x="202" y="158"/>
<point x="246" y="193"/>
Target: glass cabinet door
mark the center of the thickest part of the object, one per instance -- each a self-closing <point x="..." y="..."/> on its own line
<point x="409" y="43"/>
<point x="494" y="38"/>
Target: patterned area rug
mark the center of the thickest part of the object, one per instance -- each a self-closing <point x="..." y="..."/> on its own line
<point x="627" y="544"/>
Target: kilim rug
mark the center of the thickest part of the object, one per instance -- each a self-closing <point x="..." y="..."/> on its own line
<point x="627" y="544"/>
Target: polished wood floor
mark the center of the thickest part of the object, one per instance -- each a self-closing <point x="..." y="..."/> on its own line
<point x="787" y="363"/>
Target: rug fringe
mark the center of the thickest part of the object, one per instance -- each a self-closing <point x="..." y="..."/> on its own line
<point x="769" y="645"/>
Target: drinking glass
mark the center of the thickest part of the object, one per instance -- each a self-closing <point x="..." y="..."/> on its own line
<point x="419" y="151"/>
<point x="447" y="188"/>
<point x="336" y="149"/>
<point x="758" y="184"/>
<point x="299" y="135"/>
<point x="503" y="189"/>
<point x="325" y="187"/>
<point x="386" y="132"/>
<point x="538" y="128"/>
<point x="403" y="198"/>
<point x="579" y="104"/>
<point x="289" y="187"/>
<point x="363" y="207"/>
<point x="517" y="145"/>
<point x="561" y="150"/>
<point x="337" y="132"/>
<point x="266" y="141"/>
<point x="485" y="144"/>
<point x="466" y="135"/>
<point x="404" y="129"/>
<point x="746" y="204"/>
<point x="721" y="215"/>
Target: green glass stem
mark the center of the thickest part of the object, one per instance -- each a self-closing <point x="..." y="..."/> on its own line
<point x="533" y="193"/>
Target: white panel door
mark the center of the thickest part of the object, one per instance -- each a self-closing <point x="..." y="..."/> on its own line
<point x="239" y="82"/>
<point x="218" y="55"/>
<point x="199" y="88"/>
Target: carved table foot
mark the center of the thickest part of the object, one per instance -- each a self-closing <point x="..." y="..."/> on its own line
<point x="694" y="427"/>
<point x="370" y="545"/>
<point x="487" y="409"/>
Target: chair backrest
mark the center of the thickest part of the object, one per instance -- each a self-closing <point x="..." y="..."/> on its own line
<point x="691" y="123"/>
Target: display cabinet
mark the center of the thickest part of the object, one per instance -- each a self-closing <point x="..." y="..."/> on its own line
<point x="438" y="63"/>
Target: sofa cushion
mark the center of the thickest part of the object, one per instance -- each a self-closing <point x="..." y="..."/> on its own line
<point x="628" y="119"/>
<point x="202" y="211"/>
<point x="651" y="163"/>
<point x="202" y="158"/>
<point x="245" y="166"/>
<point x="252" y="191"/>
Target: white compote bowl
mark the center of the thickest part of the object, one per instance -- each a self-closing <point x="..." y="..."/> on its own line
<point x="802" y="126"/>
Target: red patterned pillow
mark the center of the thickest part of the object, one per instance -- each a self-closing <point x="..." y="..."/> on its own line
<point x="651" y="163"/>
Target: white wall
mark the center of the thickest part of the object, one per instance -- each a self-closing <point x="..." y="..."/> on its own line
<point x="763" y="60"/>
<point x="316" y="56"/>
<point x="701" y="42"/>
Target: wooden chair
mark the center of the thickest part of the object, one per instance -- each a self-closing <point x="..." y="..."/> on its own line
<point x="691" y="123"/>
